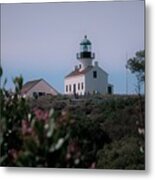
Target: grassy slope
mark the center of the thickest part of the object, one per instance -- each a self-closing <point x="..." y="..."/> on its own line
<point x="106" y="128"/>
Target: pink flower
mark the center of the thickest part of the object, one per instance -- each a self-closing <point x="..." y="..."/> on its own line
<point x="41" y="115"/>
<point x="46" y="116"/>
<point x="26" y="129"/>
<point x="71" y="147"/>
<point x="93" y="165"/>
<point x="13" y="153"/>
<point x="38" y="114"/>
<point x="68" y="156"/>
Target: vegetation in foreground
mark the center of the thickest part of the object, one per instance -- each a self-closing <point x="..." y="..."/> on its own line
<point x="92" y="132"/>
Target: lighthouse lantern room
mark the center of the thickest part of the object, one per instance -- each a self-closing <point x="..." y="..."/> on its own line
<point x="85" y="56"/>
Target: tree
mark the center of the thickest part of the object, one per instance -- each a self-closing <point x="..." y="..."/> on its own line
<point x="137" y="66"/>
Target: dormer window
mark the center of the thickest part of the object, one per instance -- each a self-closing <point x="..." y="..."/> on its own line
<point x="94" y="74"/>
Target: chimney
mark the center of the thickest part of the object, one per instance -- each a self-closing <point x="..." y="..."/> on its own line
<point x="96" y="63"/>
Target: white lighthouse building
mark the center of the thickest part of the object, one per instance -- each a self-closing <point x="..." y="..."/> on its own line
<point x="87" y="78"/>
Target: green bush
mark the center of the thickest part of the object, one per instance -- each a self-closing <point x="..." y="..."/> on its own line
<point x="122" y="154"/>
<point x="28" y="137"/>
<point x="93" y="132"/>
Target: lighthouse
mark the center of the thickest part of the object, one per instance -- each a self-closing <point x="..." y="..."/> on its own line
<point x="87" y="77"/>
<point x="85" y="56"/>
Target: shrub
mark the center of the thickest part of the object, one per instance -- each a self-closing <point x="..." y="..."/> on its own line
<point x="93" y="132"/>
<point x="28" y="137"/>
<point x="122" y="154"/>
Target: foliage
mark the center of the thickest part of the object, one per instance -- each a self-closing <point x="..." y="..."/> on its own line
<point x="122" y="154"/>
<point x="90" y="132"/>
<point x="28" y="137"/>
<point x="137" y="66"/>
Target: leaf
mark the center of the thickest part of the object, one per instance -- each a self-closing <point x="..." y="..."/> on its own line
<point x="59" y="143"/>
<point x="2" y="159"/>
<point x="51" y="112"/>
<point x="33" y="122"/>
<point x="51" y="128"/>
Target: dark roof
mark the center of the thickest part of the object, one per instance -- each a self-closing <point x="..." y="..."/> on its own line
<point x="77" y="72"/>
<point x="85" y="41"/>
<point x="29" y="85"/>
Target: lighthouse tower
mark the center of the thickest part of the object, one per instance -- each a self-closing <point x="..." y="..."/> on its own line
<point x="85" y="56"/>
<point x="87" y="77"/>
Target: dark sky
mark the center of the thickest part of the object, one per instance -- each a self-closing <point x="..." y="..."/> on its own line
<point x="41" y="40"/>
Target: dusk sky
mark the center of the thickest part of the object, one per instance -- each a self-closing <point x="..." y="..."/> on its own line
<point x="41" y="40"/>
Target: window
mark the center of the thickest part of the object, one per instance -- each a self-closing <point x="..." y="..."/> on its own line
<point x="66" y="88"/>
<point x="78" y="86"/>
<point x="94" y="74"/>
<point x="109" y="90"/>
<point x="35" y="95"/>
<point x="74" y="88"/>
<point x="70" y="88"/>
<point x="82" y="85"/>
<point x="41" y="94"/>
<point x="95" y="92"/>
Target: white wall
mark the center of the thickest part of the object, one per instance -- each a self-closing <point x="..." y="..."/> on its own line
<point x="85" y="62"/>
<point x="91" y="84"/>
<point x="75" y="80"/>
<point x="42" y="86"/>
<point x="98" y="84"/>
